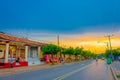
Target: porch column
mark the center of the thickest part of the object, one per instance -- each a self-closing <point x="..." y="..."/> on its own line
<point x="26" y="52"/>
<point x="29" y="52"/>
<point x="19" y="52"/>
<point x="6" y="52"/>
<point x="39" y="51"/>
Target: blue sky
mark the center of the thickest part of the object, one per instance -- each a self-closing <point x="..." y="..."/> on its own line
<point x="60" y="16"/>
<point x="78" y="22"/>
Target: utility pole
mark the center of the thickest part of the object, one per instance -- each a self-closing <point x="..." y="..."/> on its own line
<point x="58" y="40"/>
<point x="58" y="43"/>
<point x="109" y="38"/>
<point x="107" y="47"/>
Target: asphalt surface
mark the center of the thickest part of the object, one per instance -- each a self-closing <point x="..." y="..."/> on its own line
<point x="88" y="70"/>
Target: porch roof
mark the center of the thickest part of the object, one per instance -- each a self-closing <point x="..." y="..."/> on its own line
<point x="7" y="37"/>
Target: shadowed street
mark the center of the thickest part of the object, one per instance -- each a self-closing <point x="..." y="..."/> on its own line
<point x="88" y="70"/>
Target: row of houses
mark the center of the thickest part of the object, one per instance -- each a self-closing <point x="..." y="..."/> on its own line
<point x="19" y="51"/>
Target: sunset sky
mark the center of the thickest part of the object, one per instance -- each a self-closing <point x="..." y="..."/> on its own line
<point x="83" y="23"/>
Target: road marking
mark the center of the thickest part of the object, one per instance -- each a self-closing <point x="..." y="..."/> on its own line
<point x="70" y="73"/>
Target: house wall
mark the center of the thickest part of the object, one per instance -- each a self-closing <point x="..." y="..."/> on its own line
<point x="2" y="48"/>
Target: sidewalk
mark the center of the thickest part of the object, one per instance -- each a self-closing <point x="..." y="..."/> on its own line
<point x="8" y="71"/>
<point x="116" y="69"/>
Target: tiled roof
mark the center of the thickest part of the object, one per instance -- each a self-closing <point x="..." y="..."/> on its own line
<point x="18" y="39"/>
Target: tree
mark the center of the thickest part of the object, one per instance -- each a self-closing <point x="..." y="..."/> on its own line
<point x="64" y="51"/>
<point x="87" y="54"/>
<point x="115" y="52"/>
<point x="69" y="51"/>
<point x="51" y="49"/>
<point x="107" y="52"/>
<point x="77" y="51"/>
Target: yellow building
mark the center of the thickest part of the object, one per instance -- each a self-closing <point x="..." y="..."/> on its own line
<point x="15" y="51"/>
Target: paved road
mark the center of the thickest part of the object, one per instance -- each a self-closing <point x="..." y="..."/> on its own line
<point x="89" y="70"/>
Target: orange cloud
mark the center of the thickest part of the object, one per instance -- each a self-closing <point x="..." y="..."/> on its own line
<point x="95" y="42"/>
<point x="92" y="42"/>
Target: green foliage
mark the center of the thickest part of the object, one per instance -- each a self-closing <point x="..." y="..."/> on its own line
<point x="115" y="52"/>
<point x="78" y="51"/>
<point x="118" y="76"/>
<point x="64" y="51"/>
<point x="69" y="51"/>
<point x="88" y="54"/>
<point x="51" y="49"/>
<point x="107" y="52"/>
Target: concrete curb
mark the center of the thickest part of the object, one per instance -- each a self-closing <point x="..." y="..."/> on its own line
<point x="113" y="72"/>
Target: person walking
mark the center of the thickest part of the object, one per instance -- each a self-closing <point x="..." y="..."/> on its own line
<point x="96" y="59"/>
<point x="62" y="60"/>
